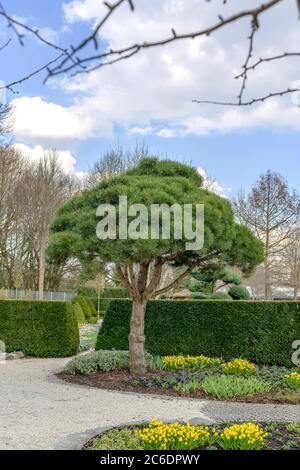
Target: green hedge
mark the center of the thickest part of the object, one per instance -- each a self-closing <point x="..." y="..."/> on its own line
<point x="104" y="303"/>
<point x="38" y="328"/>
<point x="262" y="332"/>
<point x="114" y="293"/>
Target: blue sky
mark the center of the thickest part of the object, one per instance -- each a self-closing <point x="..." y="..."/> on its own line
<point x="114" y="110"/>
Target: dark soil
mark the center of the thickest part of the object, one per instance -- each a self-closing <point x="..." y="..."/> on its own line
<point x="120" y="380"/>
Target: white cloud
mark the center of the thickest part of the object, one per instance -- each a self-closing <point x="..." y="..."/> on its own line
<point x="152" y="93"/>
<point x="65" y="157"/>
<point x="38" y="120"/>
<point x="213" y="185"/>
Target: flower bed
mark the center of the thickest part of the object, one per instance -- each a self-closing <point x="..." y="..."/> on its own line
<point x="197" y="377"/>
<point x="181" y="436"/>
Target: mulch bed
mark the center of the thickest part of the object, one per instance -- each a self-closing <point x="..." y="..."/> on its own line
<point x="118" y="380"/>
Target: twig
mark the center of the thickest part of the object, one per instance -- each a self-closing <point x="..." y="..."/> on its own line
<point x="250" y="102"/>
<point x="125" y="52"/>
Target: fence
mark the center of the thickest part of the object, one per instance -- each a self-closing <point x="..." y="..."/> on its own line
<point x="35" y="295"/>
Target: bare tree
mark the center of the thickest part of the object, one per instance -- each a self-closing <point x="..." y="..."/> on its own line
<point x="271" y="211"/>
<point x="30" y="193"/>
<point x="288" y="270"/>
<point x="6" y="121"/>
<point x="51" y="187"/>
<point x="87" y="56"/>
<point x="115" y="162"/>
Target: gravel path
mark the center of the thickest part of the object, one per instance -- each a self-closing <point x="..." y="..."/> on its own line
<point x="38" y="411"/>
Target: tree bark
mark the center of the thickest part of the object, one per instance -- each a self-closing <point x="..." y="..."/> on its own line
<point x="136" y="338"/>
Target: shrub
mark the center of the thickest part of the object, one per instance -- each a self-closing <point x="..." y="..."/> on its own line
<point x="99" y="361"/>
<point x="261" y="332"/>
<point x="103" y="303"/>
<point x="78" y="313"/>
<point x="238" y="367"/>
<point x="86" y="292"/>
<point x="245" y="436"/>
<point x="39" y="328"/>
<point x="91" y="305"/>
<point x="115" y="293"/>
<point x="92" y="320"/>
<point x="84" y="306"/>
<point x="239" y="293"/>
<point x="199" y="296"/>
<point x="224" y="386"/>
<point x="220" y="296"/>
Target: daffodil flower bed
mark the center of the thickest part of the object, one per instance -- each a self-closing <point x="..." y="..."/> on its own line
<point x="159" y="435"/>
<point x="293" y="379"/>
<point x="182" y="362"/>
<point x="238" y="367"/>
<point x="245" y="436"/>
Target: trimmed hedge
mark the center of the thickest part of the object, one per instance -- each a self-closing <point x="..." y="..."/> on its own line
<point x="39" y="328"/>
<point x="115" y="293"/>
<point x="104" y="303"/>
<point x="91" y="305"/>
<point x="262" y="332"/>
<point x="86" y="306"/>
<point x="79" y="313"/>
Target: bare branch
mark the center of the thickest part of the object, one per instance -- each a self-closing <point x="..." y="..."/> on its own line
<point x="261" y="99"/>
<point x="11" y="85"/>
<point x="284" y="55"/>
<point x="254" y="28"/>
<point x="115" y="55"/>
<point x="5" y="45"/>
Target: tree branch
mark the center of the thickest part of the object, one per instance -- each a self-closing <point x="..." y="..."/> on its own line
<point x="185" y="273"/>
<point x="123" y="53"/>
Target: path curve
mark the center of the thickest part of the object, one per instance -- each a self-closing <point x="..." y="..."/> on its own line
<point x="39" y="411"/>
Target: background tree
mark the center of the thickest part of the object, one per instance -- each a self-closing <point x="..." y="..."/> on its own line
<point x="139" y="263"/>
<point x="270" y="210"/>
<point x="287" y="272"/>
<point x="116" y="162"/>
<point x="30" y="193"/>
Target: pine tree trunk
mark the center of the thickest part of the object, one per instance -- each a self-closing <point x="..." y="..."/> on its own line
<point x="137" y="360"/>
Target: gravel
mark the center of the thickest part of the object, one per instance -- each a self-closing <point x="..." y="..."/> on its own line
<point x="38" y="411"/>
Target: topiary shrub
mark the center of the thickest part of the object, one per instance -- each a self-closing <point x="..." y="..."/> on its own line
<point x="199" y="296"/>
<point x="79" y="313"/>
<point x="85" y="307"/>
<point x="220" y="296"/>
<point x="262" y="332"/>
<point x="39" y="328"/>
<point x="239" y="293"/>
<point x="91" y="305"/>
